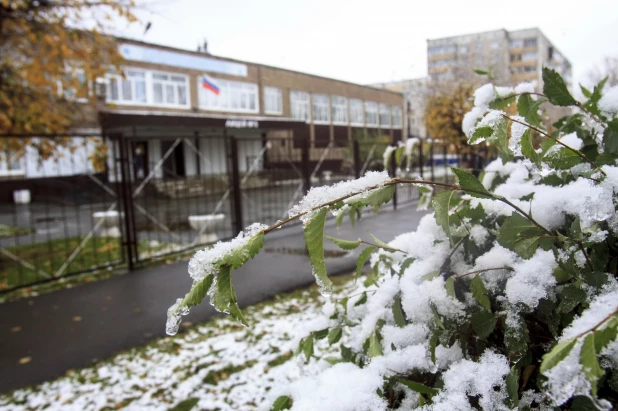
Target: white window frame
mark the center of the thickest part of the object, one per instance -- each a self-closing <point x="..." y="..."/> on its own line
<point x="339" y="112"/>
<point x="150" y="89"/>
<point x="119" y="82"/>
<point x="5" y="165"/>
<point x="300" y="105"/>
<point x="74" y="73"/>
<point x="396" y="113"/>
<point x="225" y="92"/>
<point x="320" y="104"/>
<point x="354" y="104"/>
<point x="371" y="107"/>
<point x="273" y="95"/>
<point x="382" y="110"/>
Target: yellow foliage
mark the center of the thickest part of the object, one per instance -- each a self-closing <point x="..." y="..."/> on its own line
<point x="48" y="67"/>
<point x="445" y="111"/>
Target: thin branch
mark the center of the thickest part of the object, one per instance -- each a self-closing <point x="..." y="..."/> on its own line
<point x="598" y="325"/>
<point x="585" y="110"/>
<point x="482" y="271"/>
<point x="538" y="130"/>
<point x="389" y="248"/>
<point x="448" y="259"/>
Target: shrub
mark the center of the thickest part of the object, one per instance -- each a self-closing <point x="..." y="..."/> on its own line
<point x="506" y="297"/>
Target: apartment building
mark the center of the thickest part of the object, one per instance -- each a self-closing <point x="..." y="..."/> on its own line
<point x="513" y="56"/>
<point x="168" y="91"/>
<point x="415" y="92"/>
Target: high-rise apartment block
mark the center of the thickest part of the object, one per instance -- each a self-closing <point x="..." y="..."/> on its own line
<point x="513" y="56"/>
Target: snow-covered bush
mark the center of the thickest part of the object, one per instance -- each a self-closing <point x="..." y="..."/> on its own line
<point x="506" y="297"/>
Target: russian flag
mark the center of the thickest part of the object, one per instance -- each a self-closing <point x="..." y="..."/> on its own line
<point x="209" y="84"/>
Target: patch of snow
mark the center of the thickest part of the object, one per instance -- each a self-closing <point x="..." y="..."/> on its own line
<point x="572" y="141"/>
<point x="471" y="118"/>
<point x="526" y="87"/>
<point x="609" y="102"/>
<point x="485" y="95"/>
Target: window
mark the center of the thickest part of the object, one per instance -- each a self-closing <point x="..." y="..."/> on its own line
<point x="169" y="89"/>
<point x="371" y="113"/>
<point x="515" y="57"/>
<point x="479" y="46"/>
<point x="356" y="112"/>
<point x="299" y="101"/>
<point x="272" y="100"/>
<point x="234" y="96"/>
<point x="75" y="85"/>
<point x="432" y="51"/>
<point x="495" y="44"/>
<point x="463" y="49"/>
<point x="529" y="69"/>
<point x="529" y="56"/>
<point x="320" y="108"/>
<point x="530" y="42"/>
<point x="130" y="89"/>
<point x="496" y="58"/>
<point x="340" y="109"/>
<point x="517" y="44"/>
<point x="385" y="115"/>
<point x="396" y="112"/>
<point x="10" y="162"/>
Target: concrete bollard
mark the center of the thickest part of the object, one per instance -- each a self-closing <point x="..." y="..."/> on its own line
<point x="207" y="226"/>
<point x="110" y="221"/>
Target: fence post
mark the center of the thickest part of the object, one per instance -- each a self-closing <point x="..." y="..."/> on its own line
<point x="445" y="163"/>
<point x="433" y="175"/>
<point x="305" y="165"/>
<point x="236" y="193"/>
<point x="421" y="160"/>
<point x="393" y="174"/>
<point x="126" y="197"/>
<point x="357" y="159"/>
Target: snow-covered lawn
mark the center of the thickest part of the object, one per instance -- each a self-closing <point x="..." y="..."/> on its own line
<point x="220" y="364"/>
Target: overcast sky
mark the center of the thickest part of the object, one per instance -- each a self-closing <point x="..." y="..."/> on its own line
<point x="371" y="41"/>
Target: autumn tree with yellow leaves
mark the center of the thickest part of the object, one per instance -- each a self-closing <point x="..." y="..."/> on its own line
<point x="51" y="53"/>
<point x="444" y="113"/>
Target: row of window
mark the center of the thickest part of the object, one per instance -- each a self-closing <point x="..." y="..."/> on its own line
<point x="519" y="43"/>
<point x="432" y="51"/>
<point x="360" y="112"/>
<point x="171" y="90"/>
<point x="529" y="56"/>
<point x="441" y="63"/>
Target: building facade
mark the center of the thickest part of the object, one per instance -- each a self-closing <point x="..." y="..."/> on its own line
<point x="513" y="56"/>
<point x="415" y="92"/>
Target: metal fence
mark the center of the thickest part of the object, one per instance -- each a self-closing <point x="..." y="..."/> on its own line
<point x="75" y="204"/>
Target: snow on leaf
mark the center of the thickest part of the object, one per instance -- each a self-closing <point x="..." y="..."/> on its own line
<point x="555" y="89"/>
<point x="557" y="354"/>
<point x="470" y="184"/>
<point x="520" y="235"/>
<point x="589" y="362"/>
<point x="282" y="403"/>
<point x="479" y="292"/>
<point x="483" y="323"/>
<point x="362" y="259"/>
<point x="314" y="241"/>
<point x="441" y="205"/>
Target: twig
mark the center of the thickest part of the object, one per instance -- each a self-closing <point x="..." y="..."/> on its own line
<point x="482" y="271"/>
<point x="538" y="130"/>
<point x="448" y="259"/>
<point x="598" y="325"/>
<point x="389" y="248"/>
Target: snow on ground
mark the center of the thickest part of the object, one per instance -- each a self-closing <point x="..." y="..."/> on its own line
<point x="223" y="364"/>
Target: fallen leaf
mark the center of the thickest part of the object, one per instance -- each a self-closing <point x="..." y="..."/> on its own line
<point x="16" y="329"/>
<point x="77" y="318"/>
<point x="25" y="360"/>
<point x="187" y="323"/>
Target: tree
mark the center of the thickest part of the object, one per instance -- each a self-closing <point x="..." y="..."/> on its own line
<point x="506" y="297"/>
<point x="49" y="64"/>
<point x="444" y="113"/>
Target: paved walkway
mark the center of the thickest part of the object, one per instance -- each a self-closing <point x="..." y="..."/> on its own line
<point x="74" y="327"/>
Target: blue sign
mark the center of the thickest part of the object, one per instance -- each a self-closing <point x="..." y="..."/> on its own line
<point x="179" y="59"/>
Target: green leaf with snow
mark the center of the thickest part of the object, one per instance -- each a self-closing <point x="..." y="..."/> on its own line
<point x="610" y="137"/>
<point x="223" y="296"/>
<point x="436" y="317"/>
<point x="516" y="337"/>
<point x="197" y="292"/>
<point x="555" y="89"/>
<point x="375" y="344"/>
<point x="382" y="244"/>
<point x="528" y="108"/>
<point x="512" y="387"/>
<point x="345" y="244"/>
<point x="562" y="158"/>
<point x="241" y="255"/>
<point x="470" y="184"/>
<point x="361" y="300"/>
<point x="185" y="405"/>
<point x="604" y="336"/>
<point x="500" y="139"/>
<point x="571" y="296"/>
<point x="405" y="264"/>
<point x="557" y="354"/>
<point x="483" y="323"/>
<point x="282" y="403"/>
<point x="398" y="313"/>
<point x="502" y="102"/>
<point x="479" y="134"/>
<point x="518" y="234"/>
<point x="314" y="240"/>
<point x="441" y="206"/>
<point x="449" y="284"/>
<point x="399" y="155"/>
<point x="307" y="347"/>
<point x="590" y="363"/>
<point x="362" y="259"/>
<point x="418" y="387"/>
<point x="374" y="198"/>
<point x="527" y="149"/>
<point x="479" y="292"/>
<point x="335" y="335"/>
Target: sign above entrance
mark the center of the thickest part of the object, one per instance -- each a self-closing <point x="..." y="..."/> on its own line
<point x="242" y="124"/>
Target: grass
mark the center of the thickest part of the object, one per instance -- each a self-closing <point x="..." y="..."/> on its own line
<point x="218" y="365"/>
<point x="98" y="254"/>
<point x="12" y="231"/>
